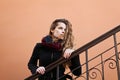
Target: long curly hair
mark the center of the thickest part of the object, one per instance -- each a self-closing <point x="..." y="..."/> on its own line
<point x="68" y="37"/>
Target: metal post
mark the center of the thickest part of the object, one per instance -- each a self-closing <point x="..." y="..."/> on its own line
<point x="117" y="56"/>
<point x="87" y="73"/>
<point x="57" y="73"/>
<point x="102" y="67"/>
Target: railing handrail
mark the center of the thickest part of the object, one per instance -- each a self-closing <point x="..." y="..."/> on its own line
<point x="77" y="52"/>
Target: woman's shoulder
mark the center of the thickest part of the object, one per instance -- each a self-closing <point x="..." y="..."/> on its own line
<point x="38" y="44"/>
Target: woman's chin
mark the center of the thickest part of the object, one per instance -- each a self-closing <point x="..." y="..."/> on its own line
<point x="61" y="38"/>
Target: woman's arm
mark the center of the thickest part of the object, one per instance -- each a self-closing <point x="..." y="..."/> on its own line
<point x="32" y="64"/>
<point x="75" y="63"/>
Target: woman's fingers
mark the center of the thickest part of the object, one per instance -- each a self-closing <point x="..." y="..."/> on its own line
<point x="68" y="53"/>
<point x="41" y="70"/>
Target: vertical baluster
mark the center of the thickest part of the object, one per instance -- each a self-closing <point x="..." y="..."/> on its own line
<point x="116" y="54"/>
<point x="102" y="67"/>
<point x="87" y="73"/>
<point x="57" y="76"/>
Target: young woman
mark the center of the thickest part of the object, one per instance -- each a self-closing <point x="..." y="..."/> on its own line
<point x="58" y="43"/>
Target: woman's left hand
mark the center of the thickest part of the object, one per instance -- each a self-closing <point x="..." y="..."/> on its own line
<point x="67" y="53"/>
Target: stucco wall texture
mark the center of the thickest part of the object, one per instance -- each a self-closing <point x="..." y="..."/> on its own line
<point x="24" y="22"/>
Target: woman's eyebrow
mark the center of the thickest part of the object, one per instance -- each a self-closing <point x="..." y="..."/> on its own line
<point x="60" y="27"/>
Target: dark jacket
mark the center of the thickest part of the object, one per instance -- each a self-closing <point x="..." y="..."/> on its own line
<point x="45" y="56"/>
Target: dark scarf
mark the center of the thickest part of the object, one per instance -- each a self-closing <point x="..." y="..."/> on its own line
<point x="47" y="41"/>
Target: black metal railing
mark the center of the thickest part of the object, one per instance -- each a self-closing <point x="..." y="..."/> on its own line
<point x="90" y="73"/>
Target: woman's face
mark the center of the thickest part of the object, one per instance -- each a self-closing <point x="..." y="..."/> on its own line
<point x="59" y="31"/>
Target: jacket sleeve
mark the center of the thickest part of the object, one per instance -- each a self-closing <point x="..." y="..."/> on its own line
<point x="32" y="64"/>
<point x="76" y="66"/>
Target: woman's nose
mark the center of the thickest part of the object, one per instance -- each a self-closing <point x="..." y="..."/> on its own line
<point x="63" y="32"/>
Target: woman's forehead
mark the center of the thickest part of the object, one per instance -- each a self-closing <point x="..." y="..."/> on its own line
<point x="61" y="24"/>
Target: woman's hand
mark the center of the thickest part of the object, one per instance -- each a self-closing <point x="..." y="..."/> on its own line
<point x="41" y="70"/>
<point x="67" y="53"/>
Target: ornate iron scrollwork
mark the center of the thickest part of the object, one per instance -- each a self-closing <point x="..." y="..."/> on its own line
<point x="112" y="63"/>
<point x="93" y="74"/>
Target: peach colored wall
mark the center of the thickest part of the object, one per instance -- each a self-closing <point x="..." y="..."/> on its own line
<point x="24" y="22"/>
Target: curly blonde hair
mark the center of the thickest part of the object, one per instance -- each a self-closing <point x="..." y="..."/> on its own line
<point x="68" y="37"/>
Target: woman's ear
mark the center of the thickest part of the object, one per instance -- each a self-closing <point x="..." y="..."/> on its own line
<point x="51" y="31"/>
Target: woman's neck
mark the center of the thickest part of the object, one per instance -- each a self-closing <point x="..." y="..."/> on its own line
<point x="54" y="39"/>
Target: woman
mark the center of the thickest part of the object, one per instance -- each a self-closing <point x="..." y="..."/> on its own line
<point x="58" y="43"/>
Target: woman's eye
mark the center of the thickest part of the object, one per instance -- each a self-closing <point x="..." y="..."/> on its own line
<point x="60" y="28"/>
